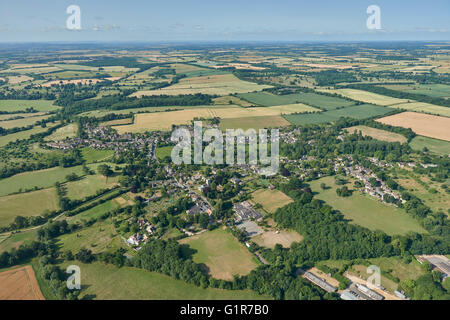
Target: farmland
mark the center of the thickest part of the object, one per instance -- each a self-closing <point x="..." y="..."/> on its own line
<point x="270" y="200"/>
<point x="423" y="124"/>
<point x="365" y="211"/>
<point x="432" y="90"/>
<point x="378" y="134"/>
<point x="367" y="97"/>
<point x="62" y="133"/>
<point x="19" y="284"/>
<point x="436" y="146"/>
<point x="254" y="123"/>
<point x="22" y="105"/>
<point x="88" y="185"/>
<point x="222" y="254"/>
<point x="424" y="107"/>
<point x="4" y="140"/>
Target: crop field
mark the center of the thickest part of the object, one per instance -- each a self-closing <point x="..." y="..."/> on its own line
<point x="165" y="120"/>
<point x="117" y="122"/>
<point x="107" y="282"/>
<point x="232" y="100"/>
<point x="378" y="134"/>
<point x="254" y="123"/>
<point x="423" y="124"/>
<point x="312" y="99"/>
<point x="223" y="84"/>
<point x="8" y="124"/>
<point x="432" y="90"/>
<point x="69" y="131"/>
<point x="366" y="211"/>
<point x="270" y="200"/>
<point x="367" y="97"/>
<point x="19" y="284"/>
<point x="424" y="107"/>
<point x="436" y="146"/>
<point x="88" y="185"/>
<point x="5" y="117"/>
<point x="222" y="254"/>
<point x="357" y="112"/>
<point x="21" y="105"/>
<point x="19" y="204"/>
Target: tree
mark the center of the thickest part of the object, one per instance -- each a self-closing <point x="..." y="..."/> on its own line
<point x="105" y="170"/>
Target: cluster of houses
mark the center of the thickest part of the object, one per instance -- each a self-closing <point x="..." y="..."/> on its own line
<point x="141" y="237"/>
<point x="244" y="211"/>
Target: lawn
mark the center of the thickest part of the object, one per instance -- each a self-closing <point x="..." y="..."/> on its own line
<point x="434" y="145"/>
<point x="365" y="211"/>
<point x="270" y="200"/>
<point x="88" y="185"/>
<point x="107" y="282"/>
<point x="162" y="152"/>
<point x="378" y="134"/>
<point x="27" y="204"/>
<point x="222" y="254"/>
<point x="21" y="105"/>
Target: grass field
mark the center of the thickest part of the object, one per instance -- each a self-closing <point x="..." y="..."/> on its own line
<point x="99" y="237"/>
<point x="432" y="90"/>
<point x="222" y="84"/>
<point x="312" y="99"/>
<point x="4" y="140"/>
<point x="271" y="238"/>
<point x="270" y="200"/>
<point x="15" y="240"/>
<point x="162" y="152"/>
<point x="436" y="146"/>
<point x="165" y="120"/>
<point x="88" y="185"/>
<point x="18" y="123"/>
<point x="424" y="107"/>
<point x="357" y="112"/>
<point x="224" y="100"/>
<point x="21" y="105"/>
<point x="19" y="204"/>
<point x="106" y="282"/>
<point x="254" y="123"/>
<point x="366" y="211"/>
<point x="69" y="131"/>
<point x="19" y="284"/>
<point x="96" y="211"/>
<point x="222" y="254"/>
<point x="378" y="134"/>
<point x="95" y="155"/>
<point x="367" y="97"/>
<point x="423" y="124"/>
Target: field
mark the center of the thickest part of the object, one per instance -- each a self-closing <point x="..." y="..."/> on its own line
<point x="19" y="204"/>
<point x="165" y="120"/>
<point x="88" y="185"/>
<point x="96" y="155"/>
<point x="222" y="254"/>
<point x="367" y="97"/>
<point x="162" y="152"/>
<point x="357" y="112"/>
<point x="432" y="90"/>
<point x="224" y="100"/>
<point x="69" y="131"/>
<point x="436" y="146"/>
<point x="422" y="124"/>
<point x="222" y="84"/>
<point x="378" y="134"/>
<point x="270" y="200"/>
<point x="270" y="238"/>
<point x="4" y="140"/>
<point x="8" y="124"/>
<point x="21" y="105"/>
<point x="312" y="99"/>
<point x="254" y="123"/>
<point x="96" y="211"/>
<point x="19" y="284"/>
<point x="366" y="211"/>
<point x="106" y="282"/>
<point x="13" y="241"/>
<point x="424" y="107"/>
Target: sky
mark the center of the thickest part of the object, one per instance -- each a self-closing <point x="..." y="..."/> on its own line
<point x="225" y="20"/>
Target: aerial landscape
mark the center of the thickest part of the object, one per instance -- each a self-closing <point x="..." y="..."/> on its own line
<point x="357" y="208"/>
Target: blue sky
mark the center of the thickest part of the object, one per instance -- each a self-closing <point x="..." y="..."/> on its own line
<point x="226" y="20"/>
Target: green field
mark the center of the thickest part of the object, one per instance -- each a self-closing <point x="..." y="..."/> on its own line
<point x="19" y="123"/>
<point x="15" y="240"/>
<point x="222" y="254"/>
<point x="94" y="155"/>
<point x="432" y="90"/>
<point x="19" y="204"/>
<point x="4" y="140"/>
<point x="312" y="99"/>
<point x="270" y="200"/>
<point x="88" y="185"/>
<point x="96" y="211"/>
<point x="21" y="105"/>
<point x="69" y="131"/>
<point x="367" y="211"/>
<point x="106" y="282"/>
<point x="357" y="112"/>
<point x="436" y="146"/>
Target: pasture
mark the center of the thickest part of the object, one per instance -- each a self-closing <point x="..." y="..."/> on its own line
<point x="221" y="253"/>
<point x="19" y="204"/>
<point x="96" y="155"/>
<point x="21" y="105"/>
<point x="378" y="134"/>
<point x="14" y="241"/>
<point x="4" y="140"/>
<point x="367" y="97"/>
<point x="107" y="282"/>
<point x="24" y="122"/>
<point x="165" y="120"/>
<point x="363" y="210"/>
<point x="424" y="107"/>
<point x="356" y="112"/>
<point x="162" y="152"/>
<point x="19" y="284"/>
<point x="88" y="185"/>
<point x="423" y="124"/>
<point x="432" y="90"/>
<point x="270" y="200"/>
<point x="436" y="146"/>
<point x="222" y="84"/>
<point x="69" y="131"/>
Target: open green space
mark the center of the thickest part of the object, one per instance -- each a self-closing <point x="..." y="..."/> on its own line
<point x="162" y="152"/>
<point x="21" y="105"/>
<point x="434" y="145"/>
<point x="89" y="185"/>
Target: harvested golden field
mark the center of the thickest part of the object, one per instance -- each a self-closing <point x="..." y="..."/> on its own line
<point x="422" y="124"/>
<point x="165" y="120"/>
<point x="424" y="107"/>
<point x="270" y="200"/>
<point x="75" y="81"/>
<point x="378" y="134"/>
<point x="367" y="97"/>
<point x="19" y="284"/>
<point x="18" y="79"/>
<point x="222" y="84"/>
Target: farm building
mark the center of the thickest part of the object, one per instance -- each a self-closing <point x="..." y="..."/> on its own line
<point x="368" y="292"/>
<point x="320" y="282"/>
